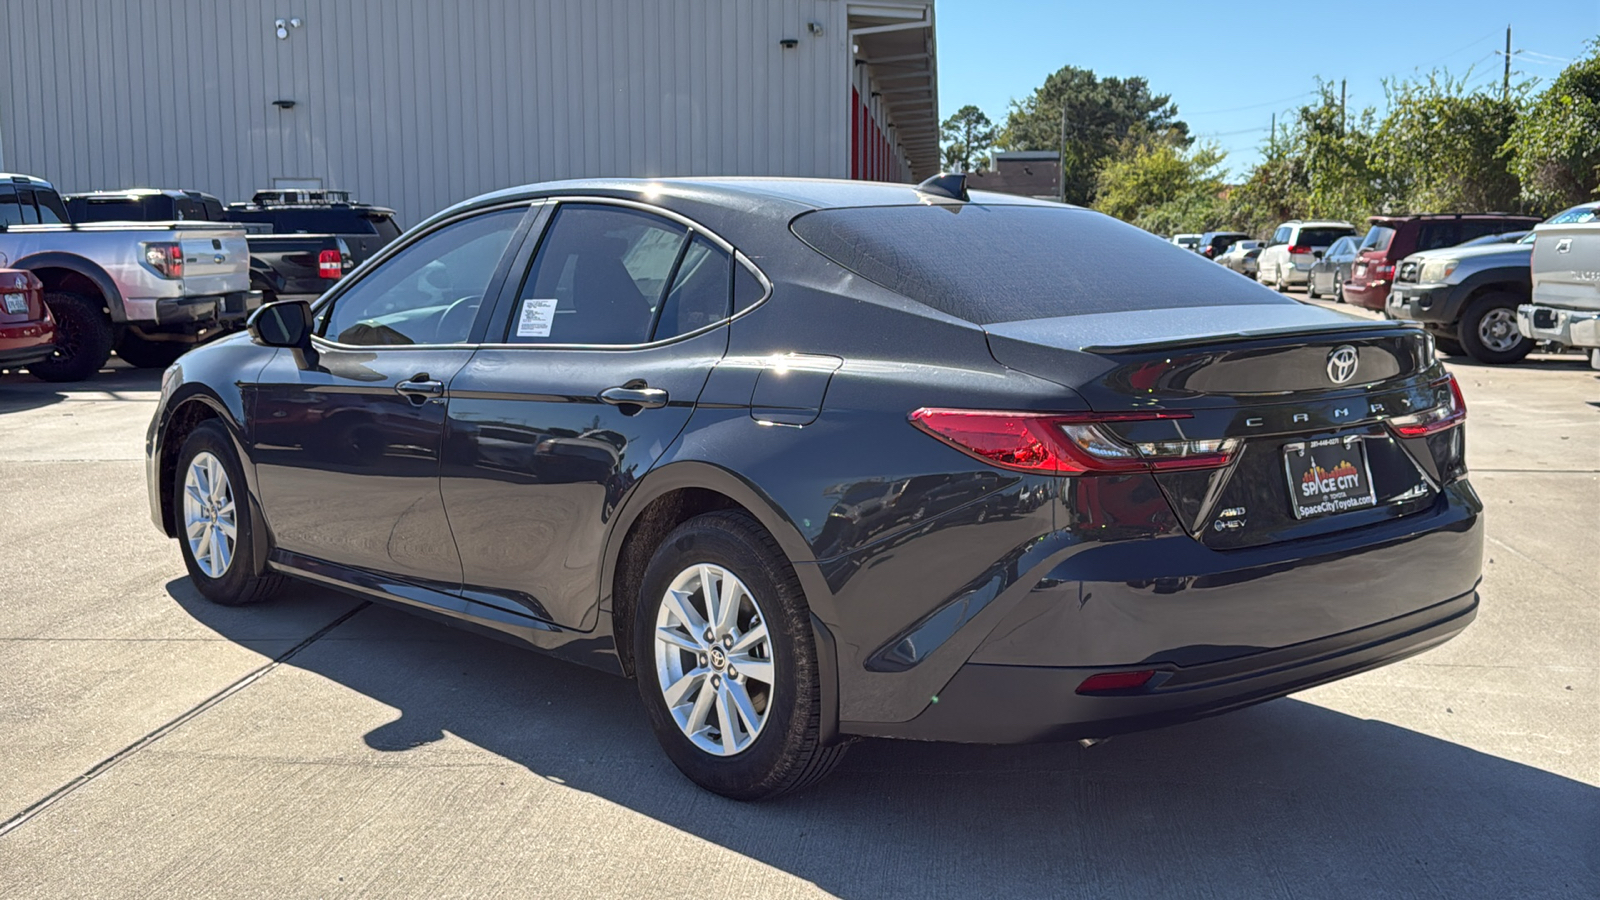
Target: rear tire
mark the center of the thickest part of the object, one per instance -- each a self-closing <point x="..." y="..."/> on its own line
<point x="744" y="757"/>
<point x="1448" y="345"/>
<point x="83" y="338"/>
<point x="209" y="496"/>
<point x="1488" y="329"/>
<point x="1278" y="283"/>
<point x="143" y="353"/>
<point x="1311" y="285"/>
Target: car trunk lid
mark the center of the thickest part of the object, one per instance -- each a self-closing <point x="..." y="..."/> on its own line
<point x="1304" y="394"/>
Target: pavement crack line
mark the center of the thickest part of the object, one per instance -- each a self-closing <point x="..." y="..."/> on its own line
<point x="173" y="724"/>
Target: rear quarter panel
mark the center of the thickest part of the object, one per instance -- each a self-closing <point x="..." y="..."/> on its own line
<point x="1566" y="266"/>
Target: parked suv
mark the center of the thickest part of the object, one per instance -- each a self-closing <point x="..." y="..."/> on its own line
<point x="1393" y="238"/>
<point x="1294" y="248"/>
<point x="149" y="289"/>
<point x="282" y="266"/>
<point x="1566" y="282"/>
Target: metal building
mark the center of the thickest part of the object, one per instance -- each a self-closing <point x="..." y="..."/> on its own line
<point x="416" y="104"/>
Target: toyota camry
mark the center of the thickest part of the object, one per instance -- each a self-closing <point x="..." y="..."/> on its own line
<point x="811" y="460"/>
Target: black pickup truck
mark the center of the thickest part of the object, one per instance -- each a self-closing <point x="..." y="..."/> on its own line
<point x="301" y="242"/>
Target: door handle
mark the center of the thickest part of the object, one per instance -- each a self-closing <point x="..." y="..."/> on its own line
<point x="642" y="397"/>
<point x="419" y="388"/>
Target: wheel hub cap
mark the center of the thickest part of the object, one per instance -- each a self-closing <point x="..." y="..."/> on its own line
<point x="209" y="520"/>
<point x="714" y="662"/>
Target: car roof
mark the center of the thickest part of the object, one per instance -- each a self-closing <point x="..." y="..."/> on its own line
<point x="800" y="194"/>
<point x="1319" y="223"/>
<point x="1386" y="220"/>
<point x="30" y="180"/>
<point x="142" y="192"/>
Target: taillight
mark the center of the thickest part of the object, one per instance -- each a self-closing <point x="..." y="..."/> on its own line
<point x="1296" y="249"/>
<point x="1448" y="414"/>
<point x="165" y="257"/>
<point x="1383" y="270"/>
<point x="330" y="264"/>
<point x="1075" y="443"/>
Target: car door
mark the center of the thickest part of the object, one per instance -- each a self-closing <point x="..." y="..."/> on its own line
<point x="346" y="445"/>
<point x="601" y="352"/>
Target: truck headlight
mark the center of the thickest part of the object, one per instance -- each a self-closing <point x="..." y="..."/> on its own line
<point x="1437" y="270"/>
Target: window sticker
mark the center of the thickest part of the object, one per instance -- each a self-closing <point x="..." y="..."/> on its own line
<point x="537" y="316"/>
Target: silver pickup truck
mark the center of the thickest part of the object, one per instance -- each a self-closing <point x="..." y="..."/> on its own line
<point x="149" y="290"/>
<point x="1565" y="306"/>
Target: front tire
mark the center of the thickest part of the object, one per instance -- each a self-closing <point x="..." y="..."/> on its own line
<point x="210" y="502"/>
<point x="1488" y="330"/>
<point x="83" y="338"/>
<point x="725" y="661"/>
<point x="1311" y="285"/>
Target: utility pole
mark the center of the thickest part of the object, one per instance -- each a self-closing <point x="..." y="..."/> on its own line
<point x="1505" y="85"/>
<point x="1272" y="141"/>
<point x="1062" y="162"/>
<point x="1341" y="107"/>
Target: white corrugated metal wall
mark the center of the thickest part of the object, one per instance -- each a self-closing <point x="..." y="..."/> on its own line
<point x="416" y="104"/>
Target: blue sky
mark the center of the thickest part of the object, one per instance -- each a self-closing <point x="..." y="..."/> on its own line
<point x="1219" y="63"/>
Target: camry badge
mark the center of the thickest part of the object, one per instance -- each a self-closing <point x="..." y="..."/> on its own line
<point x="1342" y="362"/>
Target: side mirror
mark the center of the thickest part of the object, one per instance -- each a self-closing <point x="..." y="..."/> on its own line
<point x="286" y="323"/>
<point x="1316" y="254"/>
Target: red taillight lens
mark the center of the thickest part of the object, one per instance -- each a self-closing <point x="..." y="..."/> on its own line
<point x="1383" y="270"/>
<point x="1299" y="248"/>
<point x="330" y="264"/>
<point x="1116" y="681"/>
<point x="1432" y="421"/>
<point x="165" y="257"/>
<point x="1068" y="444"/>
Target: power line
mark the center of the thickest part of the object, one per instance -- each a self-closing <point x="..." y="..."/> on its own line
<point x="1459" y="49"/>
<point x="1213" y="112"/>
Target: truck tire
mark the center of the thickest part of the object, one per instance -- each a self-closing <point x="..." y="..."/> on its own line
<point x="83" y="338"/>
<point x="143" y="353"/>
<point x="1483" y="329"/>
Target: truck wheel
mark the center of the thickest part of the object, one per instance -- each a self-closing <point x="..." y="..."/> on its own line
<point x="143" y="353"/>
<point x="83" y="338"/>
<point x="1488" y="329"/>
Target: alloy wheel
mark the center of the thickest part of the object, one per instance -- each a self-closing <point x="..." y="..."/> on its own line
<point x="210" y="518"/>
<point x="1498" y="329"/>
<point x="714" y="662"/>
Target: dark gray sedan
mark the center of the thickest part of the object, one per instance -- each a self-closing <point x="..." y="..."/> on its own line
<point x="810" y="460"/>
<point x="1329" y="272"/>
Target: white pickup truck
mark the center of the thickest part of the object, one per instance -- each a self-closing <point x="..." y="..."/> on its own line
<point x="149" y="290"/>
<point x="1565" y="306"/>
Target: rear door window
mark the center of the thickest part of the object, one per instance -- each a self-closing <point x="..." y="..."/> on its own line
<point x="10" y="213"/>
<point x="1434" y="235"/>
<point x="599" y="277"/>
<point x="701" y="291"/>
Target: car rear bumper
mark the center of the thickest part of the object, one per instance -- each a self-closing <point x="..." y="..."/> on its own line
<point x="1368" y="296"/>
<point x="1016" y="704"/>
<point x="225" y="309"/>
<point x="1573" y="328"/>
<point x="25" y="343"/>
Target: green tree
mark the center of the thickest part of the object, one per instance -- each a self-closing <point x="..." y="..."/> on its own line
<point x="968" y="138"/>
<point x="1555" y="146"/>
<point x="1100" y="113"/>
<point x="1439" y="147"/>
<point x="1158" y="184"/>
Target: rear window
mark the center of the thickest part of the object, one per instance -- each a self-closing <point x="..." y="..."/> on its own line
<point x="988" y="264"/>
<point x="1321" y="237"/>
<point x="384" y="224"/>
<point x="1378" y="238"/>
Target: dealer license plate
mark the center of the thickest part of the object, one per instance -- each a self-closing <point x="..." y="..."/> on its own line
<point x="1328" y="476"/>
<point x="16" y="303"/>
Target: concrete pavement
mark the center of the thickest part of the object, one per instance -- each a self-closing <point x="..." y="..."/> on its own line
<point x="156" y="744"/>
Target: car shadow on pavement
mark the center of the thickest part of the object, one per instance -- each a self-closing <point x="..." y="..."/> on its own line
<point x="1283" y="799"/>
<point x="20" y="391"/>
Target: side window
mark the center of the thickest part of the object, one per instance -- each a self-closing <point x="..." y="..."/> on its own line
<point x="51" y="209"/>
<point x="598" y="278"/>
<point x="701" y="291"/>
<point x="1281" y="236"/>
<point x="747" y="288"/>
<point x="30" y="211"/>
<point x="188" y="210"/>
<point x="1436" y="234"/>
<point x="10" y="213"/>
<point x="428" y="293"/>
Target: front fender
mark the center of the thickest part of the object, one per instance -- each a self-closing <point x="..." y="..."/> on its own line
<point x="1516" y="279"/>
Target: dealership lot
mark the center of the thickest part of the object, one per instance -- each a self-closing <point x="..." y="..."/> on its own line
<point x="320" y="745"/>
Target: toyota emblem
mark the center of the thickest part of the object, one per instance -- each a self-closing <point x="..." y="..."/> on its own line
<point x="1342" y="363"/>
